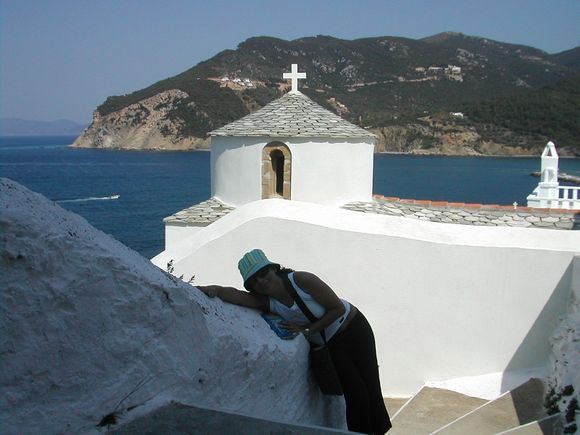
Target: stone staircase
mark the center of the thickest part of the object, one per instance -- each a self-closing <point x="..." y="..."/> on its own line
<point x="443" y="412"/>
<point x="430" y="411"/>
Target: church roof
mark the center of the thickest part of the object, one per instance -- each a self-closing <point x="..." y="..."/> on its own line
<point x="293" y="115"/>
<point x="200" y="215"/>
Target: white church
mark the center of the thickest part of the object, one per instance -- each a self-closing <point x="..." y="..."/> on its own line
<point x="446" y="301"/>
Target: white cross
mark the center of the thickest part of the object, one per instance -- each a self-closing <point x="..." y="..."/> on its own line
<point x="294" y="75"/>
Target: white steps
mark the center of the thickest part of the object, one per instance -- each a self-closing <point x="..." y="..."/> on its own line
<point x="431" y="409"/>
<point x="444" y="412"/>
<point x="551" y="425"/>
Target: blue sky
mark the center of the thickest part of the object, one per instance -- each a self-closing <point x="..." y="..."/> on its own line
<point x="61" y="59"/>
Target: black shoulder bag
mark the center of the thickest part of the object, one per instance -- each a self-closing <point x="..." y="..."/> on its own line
<point x="320" y="358"/>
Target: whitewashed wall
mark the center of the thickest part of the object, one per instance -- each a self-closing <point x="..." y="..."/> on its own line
<point x="445" y="300"/>
<point x="175" y="233"/>
<point x="330" y="173"/>
<point x="235" y="167"/>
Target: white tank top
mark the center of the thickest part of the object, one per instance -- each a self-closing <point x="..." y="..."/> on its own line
<point x="294" y="314"/>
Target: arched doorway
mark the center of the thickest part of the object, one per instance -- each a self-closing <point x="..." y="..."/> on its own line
<point x="276" y="171"/>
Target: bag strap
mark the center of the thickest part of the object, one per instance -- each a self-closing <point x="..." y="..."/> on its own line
<point x="303" y="307"/>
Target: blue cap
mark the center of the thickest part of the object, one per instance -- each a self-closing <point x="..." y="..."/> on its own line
<point x="252" y="262"/>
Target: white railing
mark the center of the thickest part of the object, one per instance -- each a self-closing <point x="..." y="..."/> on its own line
<point x="567" y="197"/>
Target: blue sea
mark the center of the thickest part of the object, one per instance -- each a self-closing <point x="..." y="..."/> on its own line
<point x="153" y="185"/>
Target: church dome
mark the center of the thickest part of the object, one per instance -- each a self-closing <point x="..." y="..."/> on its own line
<point x="293" y="115"/>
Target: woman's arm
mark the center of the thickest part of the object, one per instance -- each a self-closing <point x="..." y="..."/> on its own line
<point x="322" y="294"/>
<point x="235" y="296"/>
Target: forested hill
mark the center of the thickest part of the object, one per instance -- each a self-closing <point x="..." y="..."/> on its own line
<point x="569" y="58"/>
<point x="552" y="111"/>
<point x="375" y="82"/>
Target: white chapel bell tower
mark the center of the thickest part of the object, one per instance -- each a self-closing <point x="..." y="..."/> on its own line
<point x="292" y="149"/>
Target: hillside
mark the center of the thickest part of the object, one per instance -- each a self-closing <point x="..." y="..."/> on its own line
<point x="569" y="58"/>
<point x="550" y="112"/>
<point x="376" y="83"/>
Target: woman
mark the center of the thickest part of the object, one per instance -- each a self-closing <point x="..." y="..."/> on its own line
<point x="348" y="334"/>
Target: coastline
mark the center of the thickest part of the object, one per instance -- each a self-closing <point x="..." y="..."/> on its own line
<point x="518" y="156"/>
<point x="143" y="150"/>
<point x="72" y="139"/>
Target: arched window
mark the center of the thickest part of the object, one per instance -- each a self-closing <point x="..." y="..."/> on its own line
<point x="276" y="171"/>
<point x="277" y="159"/>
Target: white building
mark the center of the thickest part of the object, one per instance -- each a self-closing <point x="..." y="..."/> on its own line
<point x="452" y="69"/>
<point x="292" y="149"/>
<point x="549" y="193"/>
<point x="445" y="300"/>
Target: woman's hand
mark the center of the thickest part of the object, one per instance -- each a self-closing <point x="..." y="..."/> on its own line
<point x="292" y="327"/>
<point x="210" y="290"/>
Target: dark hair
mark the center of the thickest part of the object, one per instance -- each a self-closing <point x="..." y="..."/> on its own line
<point x="284" y="270"/>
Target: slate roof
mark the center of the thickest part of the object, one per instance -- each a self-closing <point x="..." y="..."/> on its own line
<point x="293" y="115"/>
<point x="200" y="215"/>
<point x="209" y="211"/>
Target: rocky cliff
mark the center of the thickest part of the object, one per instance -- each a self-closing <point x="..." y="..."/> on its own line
<point x="429" y="137"/>
<point x="145" y="125"/>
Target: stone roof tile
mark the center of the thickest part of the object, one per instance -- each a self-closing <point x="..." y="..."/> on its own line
<point x="201" y="214"/>
<point x="293" y="115"/>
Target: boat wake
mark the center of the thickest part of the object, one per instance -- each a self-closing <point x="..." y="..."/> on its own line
<point x="91" y="198"/>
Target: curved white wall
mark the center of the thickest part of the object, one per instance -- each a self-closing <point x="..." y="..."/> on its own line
<point x="330" y="173"/>
<point x="236" y="168"/>
<point x="445" y="300"/>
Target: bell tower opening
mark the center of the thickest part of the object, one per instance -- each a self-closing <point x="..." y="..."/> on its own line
<point x="277" y="159"/>
<point x="276" y="171"/>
